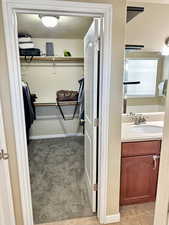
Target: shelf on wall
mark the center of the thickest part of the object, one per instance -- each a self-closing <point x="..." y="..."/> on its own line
<point x="54" y="59"/>
<point x="66" y="103"/>
<point x="132" y="12"/>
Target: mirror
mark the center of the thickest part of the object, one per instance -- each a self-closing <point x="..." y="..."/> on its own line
<point x="145" y="81"/>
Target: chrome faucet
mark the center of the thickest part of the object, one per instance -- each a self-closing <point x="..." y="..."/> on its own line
<point x="137" y="118"/>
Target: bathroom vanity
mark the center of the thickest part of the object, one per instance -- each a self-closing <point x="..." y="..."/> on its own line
<point x="139" y="171"/>
<point x="140" y="157"/>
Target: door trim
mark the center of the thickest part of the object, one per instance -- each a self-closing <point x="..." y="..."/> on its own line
<point x="149" y="1"/>
<point x="5" y="189"/>
<point x="10" y="8"/>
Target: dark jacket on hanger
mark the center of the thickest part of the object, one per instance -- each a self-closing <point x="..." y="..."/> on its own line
<point x="28" y="108"/>
<point x="81" y="99"/>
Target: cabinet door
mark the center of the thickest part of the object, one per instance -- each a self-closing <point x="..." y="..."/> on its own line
<point x="138" y="179"/>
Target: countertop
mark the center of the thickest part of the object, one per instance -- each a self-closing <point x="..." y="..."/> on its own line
<point x="130" y="135"/>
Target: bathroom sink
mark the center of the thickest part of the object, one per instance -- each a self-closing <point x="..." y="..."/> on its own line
<point x="145" y="128"/>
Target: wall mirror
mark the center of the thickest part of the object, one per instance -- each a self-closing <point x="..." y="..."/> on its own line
<point x="145" y="81"/>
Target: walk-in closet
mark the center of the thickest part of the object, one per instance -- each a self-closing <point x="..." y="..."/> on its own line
<point x="51" y="50"/>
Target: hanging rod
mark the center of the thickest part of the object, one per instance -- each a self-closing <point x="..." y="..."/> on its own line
<point x="54" y="59"/>
<point x="52" y="65"/>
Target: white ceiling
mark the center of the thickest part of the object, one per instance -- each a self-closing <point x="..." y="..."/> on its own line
<point x="69" y="27"/>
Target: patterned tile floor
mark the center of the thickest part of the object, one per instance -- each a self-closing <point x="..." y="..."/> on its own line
<point x="140" y="214"/>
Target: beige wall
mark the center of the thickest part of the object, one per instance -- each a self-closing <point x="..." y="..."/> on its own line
<point x="114" y="153"/>
<point x="45" y="79"/>
<point x="143" y="105"/>
<point x="150" y="28"/>
<point x="75" y="46"/>
<point x="152" y="35"/>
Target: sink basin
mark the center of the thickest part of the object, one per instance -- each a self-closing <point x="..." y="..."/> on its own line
<point x="144" y="128"/>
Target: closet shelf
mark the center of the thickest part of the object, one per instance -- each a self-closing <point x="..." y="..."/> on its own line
<point x="55" y="59"/>
<point x="68" y="103"/>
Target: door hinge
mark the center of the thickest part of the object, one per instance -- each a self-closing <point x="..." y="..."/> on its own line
<point x="96" y="122"/>
<point x="3" y="155"/>
<point x="95" y="187"/>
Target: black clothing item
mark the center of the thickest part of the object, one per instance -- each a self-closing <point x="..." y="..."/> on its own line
<point x="29" y="109"/>
<point x="81" y="99"/>
<point x="33" y="99"/>
<point x="21" y="35"/>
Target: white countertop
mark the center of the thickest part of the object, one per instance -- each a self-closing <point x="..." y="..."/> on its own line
<point x="130" y="135"/>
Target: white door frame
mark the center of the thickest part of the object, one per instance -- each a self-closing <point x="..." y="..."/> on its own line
<point x="10" y="8"/>
<point x="149" y="1"/>
<point x="162" y="201"/>
<point x="6" y="203"/>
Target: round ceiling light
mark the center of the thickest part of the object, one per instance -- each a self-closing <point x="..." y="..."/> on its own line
<point x="49" y="21"/>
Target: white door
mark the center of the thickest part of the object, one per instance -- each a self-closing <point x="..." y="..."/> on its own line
<point x="6" y="204"/>
<point x="91" y="43"/>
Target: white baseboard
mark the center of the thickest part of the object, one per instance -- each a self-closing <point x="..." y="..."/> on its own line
<point x="54" y="136"/>
<point x="112" y="218"/>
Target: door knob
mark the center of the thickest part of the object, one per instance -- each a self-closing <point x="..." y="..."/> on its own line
<point x="3" y="155"/>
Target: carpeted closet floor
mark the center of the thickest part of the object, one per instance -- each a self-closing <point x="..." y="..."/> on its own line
<point x="58" y="187"/>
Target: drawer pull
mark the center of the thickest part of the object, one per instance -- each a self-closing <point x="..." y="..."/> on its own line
<point x="155" y="158"/>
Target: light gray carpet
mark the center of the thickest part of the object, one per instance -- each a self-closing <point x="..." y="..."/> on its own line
<point x="57" y="179"/>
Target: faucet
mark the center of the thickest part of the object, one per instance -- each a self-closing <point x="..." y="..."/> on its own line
<point x="137" y="118"/>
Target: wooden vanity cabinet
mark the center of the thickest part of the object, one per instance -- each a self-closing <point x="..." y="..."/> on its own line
<point x="139" y="171"/>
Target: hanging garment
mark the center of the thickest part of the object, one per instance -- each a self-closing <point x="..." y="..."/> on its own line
<point x="33" y="99"/>
<point x="81" y="99"/>
<point x="28" y="108"/>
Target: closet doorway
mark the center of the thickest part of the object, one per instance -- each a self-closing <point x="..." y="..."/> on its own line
<point x="59" y="59"/>
<point x="69" y="8"/>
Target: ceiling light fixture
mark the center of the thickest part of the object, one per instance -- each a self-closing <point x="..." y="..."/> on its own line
<point x="49" y="21"/>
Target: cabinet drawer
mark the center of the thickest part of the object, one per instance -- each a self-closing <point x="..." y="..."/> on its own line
<point x="141" y="148"/>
